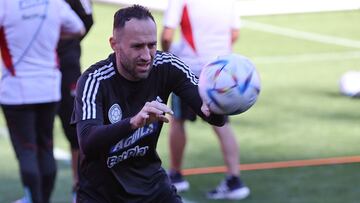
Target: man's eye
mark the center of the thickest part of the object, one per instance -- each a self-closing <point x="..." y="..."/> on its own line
<point x="151" y="46"/>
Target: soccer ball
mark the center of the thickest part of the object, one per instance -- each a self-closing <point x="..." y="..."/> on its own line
<point x="229" y="84"/>
<point x="349" y="84"/>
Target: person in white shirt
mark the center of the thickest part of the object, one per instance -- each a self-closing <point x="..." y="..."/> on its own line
<point x="208" y="29"/>
<point x="30" y="85"/>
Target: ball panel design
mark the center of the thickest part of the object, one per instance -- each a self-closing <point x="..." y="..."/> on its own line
<point x="230" y="84"/>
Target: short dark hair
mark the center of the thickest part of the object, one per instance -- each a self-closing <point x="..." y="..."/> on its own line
<point x="125" y="14"/>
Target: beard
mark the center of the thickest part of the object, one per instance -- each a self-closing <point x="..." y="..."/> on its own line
<point x="132" y="72"/>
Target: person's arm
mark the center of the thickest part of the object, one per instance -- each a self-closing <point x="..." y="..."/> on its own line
<point x="235" y="23"/>
<point x="71" y="24"/>
<point x="167" y="36"/>
<point x="234" y="35"/>
<point x="88" y="22"/>
<point x="95" y="138"/>
<point x="171" y="20"/>
<point x="83" y="9"/>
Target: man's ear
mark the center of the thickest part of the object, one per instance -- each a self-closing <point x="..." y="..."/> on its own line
<point x="112" y="42"/>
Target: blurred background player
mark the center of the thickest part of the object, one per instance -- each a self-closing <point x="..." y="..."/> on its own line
<point x="30" y="85"/>
<point x="208" y="29"/>
<point x="69" y="52"/>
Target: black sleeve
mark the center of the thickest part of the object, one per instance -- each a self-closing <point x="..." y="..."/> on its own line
<point x="184" y="84"/>
<point x="95" y="139"/>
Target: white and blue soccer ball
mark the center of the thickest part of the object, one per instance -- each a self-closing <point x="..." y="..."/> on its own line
<point x="229" y="85"/>
<point x="349" y="83"/>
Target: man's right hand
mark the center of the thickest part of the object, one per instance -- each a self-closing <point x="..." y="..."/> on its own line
<point x="151" y="112"/>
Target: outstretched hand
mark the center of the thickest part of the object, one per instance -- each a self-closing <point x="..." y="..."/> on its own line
<point x="151" y="112"/>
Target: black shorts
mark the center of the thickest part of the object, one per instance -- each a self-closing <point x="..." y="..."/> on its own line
<point x="182" y="111"/>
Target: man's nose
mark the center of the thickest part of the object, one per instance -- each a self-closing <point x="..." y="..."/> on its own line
<point x="146" y="54"/>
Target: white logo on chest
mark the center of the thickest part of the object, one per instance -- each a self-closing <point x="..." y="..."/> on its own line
<point x="115" y="113"/>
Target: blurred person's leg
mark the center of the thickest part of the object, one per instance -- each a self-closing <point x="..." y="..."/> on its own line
<point x="177" y="143"/>
<point x="45" y="115"/>
<point x="229" y="148"/>
<point x="21" y="121"/>
<point x="232" y="186"/>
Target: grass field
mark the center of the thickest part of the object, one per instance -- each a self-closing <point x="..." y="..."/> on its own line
<point x="299" y="115"/>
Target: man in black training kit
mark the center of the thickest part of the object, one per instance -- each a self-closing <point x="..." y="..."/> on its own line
<point x="120" y="107"/>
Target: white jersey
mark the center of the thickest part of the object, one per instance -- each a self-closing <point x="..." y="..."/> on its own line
<point x="205" y="29"/>
<point x="29" y="33"/>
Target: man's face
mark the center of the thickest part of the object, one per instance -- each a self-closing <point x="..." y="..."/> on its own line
<point x="135" y="47"/>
